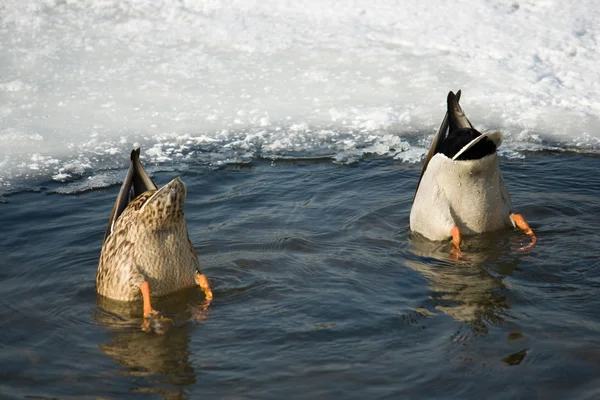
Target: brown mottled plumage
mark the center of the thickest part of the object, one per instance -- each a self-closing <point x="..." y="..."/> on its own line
<point x="147" y="241"/>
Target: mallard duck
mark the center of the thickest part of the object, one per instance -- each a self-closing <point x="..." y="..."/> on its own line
<point x="460" y="190"/>
<point x="146" y="245"/>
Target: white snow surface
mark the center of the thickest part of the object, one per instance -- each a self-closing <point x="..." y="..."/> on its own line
<point x="83" y="82"/>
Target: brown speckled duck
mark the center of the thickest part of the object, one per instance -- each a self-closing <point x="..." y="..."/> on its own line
<point x="146" y="246"/>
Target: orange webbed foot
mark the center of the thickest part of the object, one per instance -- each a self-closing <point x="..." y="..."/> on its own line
<point x="524" y="226"/>
<point x="204" y="285"/>
<point x="152" y="318"/>
<point x="455" y="252"/>
<point x="148" y="310"/>
<point x="200" y="312"/>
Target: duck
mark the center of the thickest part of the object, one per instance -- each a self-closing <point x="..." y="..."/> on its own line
<point x="146" y="249"/>
<point x="461" y="191"/>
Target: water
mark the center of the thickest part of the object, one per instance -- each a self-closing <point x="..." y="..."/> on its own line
<point x="320" y="291"/>
<point x="299" y="130"/>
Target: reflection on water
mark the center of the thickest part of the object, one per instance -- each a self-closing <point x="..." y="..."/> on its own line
<point x="315" y="293"/>
<point x="158" y="360"/>
<point x="470" y="289"/>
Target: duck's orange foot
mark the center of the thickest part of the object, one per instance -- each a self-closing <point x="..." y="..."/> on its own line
<point x="148" y="310"/>
<point x="204" y="285"/>
<point x="151" y="313"/>
<point x="200" y="313"/>
<point x="455" y="252"/>
<point x="524" y="226"/>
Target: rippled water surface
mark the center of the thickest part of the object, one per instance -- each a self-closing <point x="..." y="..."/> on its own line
<point x="320" y="291"/>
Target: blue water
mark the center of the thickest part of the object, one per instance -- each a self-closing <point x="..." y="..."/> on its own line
<point x="321" y="291"/>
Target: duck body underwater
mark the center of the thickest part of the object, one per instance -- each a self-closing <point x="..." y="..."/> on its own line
<point x="461" y="190"/>
<point x="146" y="245"/>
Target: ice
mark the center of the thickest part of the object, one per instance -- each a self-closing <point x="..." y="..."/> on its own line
<point x="97" y="181"/>
<point x="82" y="83"/>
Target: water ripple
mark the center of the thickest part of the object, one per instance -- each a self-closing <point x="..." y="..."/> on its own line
<point x="319" y="286"/>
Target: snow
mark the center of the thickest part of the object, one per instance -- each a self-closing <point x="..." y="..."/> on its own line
<point x="82" y="82"/>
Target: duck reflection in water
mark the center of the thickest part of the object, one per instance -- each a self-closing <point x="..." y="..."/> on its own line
<point x="470" y="290"/>
<point x="158" y="358"/>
